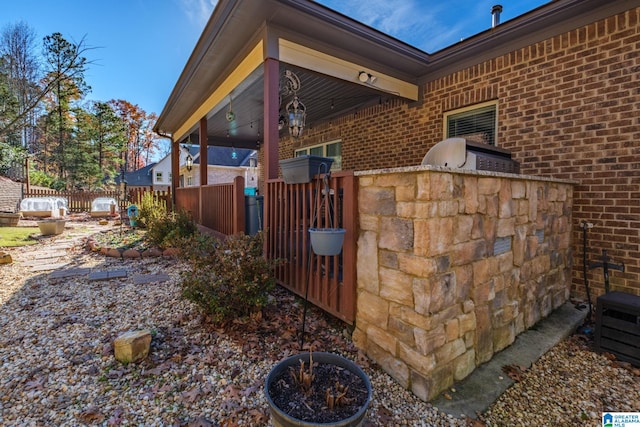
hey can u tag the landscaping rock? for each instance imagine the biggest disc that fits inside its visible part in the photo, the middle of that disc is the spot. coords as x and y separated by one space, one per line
5 258
171 252
132 346
152 253
131 253
114 253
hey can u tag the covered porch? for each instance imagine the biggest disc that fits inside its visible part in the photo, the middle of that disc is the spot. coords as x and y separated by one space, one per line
237 90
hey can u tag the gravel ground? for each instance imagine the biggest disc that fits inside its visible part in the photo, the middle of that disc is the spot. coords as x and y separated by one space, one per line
57 366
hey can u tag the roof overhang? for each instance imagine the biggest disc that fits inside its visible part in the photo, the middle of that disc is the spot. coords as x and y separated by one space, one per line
226 63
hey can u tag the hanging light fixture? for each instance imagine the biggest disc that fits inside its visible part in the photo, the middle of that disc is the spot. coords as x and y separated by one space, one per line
297 116
189 160
296 110
234 154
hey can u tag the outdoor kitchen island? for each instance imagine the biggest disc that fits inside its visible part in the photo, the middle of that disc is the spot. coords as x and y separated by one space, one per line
453 264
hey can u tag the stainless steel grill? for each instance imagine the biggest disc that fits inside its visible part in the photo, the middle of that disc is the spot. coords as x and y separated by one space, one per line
464 154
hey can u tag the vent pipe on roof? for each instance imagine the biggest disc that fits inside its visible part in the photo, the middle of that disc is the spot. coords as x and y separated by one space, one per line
495 15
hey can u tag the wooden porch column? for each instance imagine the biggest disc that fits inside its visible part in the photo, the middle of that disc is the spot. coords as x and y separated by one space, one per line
204 161
271 101
175 170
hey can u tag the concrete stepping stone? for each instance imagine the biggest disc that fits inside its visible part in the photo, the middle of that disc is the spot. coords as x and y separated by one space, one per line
107 275
71 272
48 267
142 279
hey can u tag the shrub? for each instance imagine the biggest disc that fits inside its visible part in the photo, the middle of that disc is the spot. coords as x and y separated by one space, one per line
228 279
150 208
170 229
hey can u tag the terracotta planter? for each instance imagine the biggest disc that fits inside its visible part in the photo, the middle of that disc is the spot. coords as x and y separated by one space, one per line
327 241
49 228
302 169
282 419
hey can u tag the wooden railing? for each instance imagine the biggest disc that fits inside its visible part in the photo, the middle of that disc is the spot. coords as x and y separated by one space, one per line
80 201
290 210
218 207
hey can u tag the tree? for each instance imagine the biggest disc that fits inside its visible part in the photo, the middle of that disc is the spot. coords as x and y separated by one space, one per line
18 81
65 67
141 140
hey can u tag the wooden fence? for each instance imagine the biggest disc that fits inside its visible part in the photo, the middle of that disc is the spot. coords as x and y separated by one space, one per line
218 207
80 201
290 210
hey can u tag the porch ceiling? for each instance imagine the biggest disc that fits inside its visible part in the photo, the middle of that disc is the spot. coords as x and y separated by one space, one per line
324 97
234 29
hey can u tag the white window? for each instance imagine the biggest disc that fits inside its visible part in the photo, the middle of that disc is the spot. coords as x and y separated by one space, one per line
189 181
158 176
477 123
330 149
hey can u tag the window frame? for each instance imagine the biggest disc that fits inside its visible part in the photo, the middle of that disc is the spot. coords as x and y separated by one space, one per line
336 165
470 109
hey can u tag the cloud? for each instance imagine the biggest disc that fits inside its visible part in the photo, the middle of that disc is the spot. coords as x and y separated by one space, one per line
198 12
429 26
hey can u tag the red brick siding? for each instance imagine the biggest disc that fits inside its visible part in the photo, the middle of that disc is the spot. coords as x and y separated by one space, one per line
568 107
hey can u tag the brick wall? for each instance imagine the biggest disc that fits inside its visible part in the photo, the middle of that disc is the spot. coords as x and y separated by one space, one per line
567 108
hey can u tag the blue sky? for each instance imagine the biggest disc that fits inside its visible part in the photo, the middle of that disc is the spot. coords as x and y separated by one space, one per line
141 46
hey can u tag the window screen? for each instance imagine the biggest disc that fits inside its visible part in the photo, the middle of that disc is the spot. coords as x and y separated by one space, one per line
477 125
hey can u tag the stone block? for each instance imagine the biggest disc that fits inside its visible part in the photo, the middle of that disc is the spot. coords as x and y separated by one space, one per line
377 201
506 227
373 309
468 252
401 330
423 186
396 286
132 346
409 316
483 335
369 222
383 339
503 337
518 189
389 259
448 208
422 296
389 363
450 351
428 341
368 262
441 186
443 292
464 364
406 193
452 329
419 362
416 265
152 253
488 185
396 234
463 228
470 195
406 209
433 236
466 322
171 252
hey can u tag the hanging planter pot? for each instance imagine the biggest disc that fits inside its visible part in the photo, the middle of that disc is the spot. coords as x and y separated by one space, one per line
292 406
302 169
327 241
